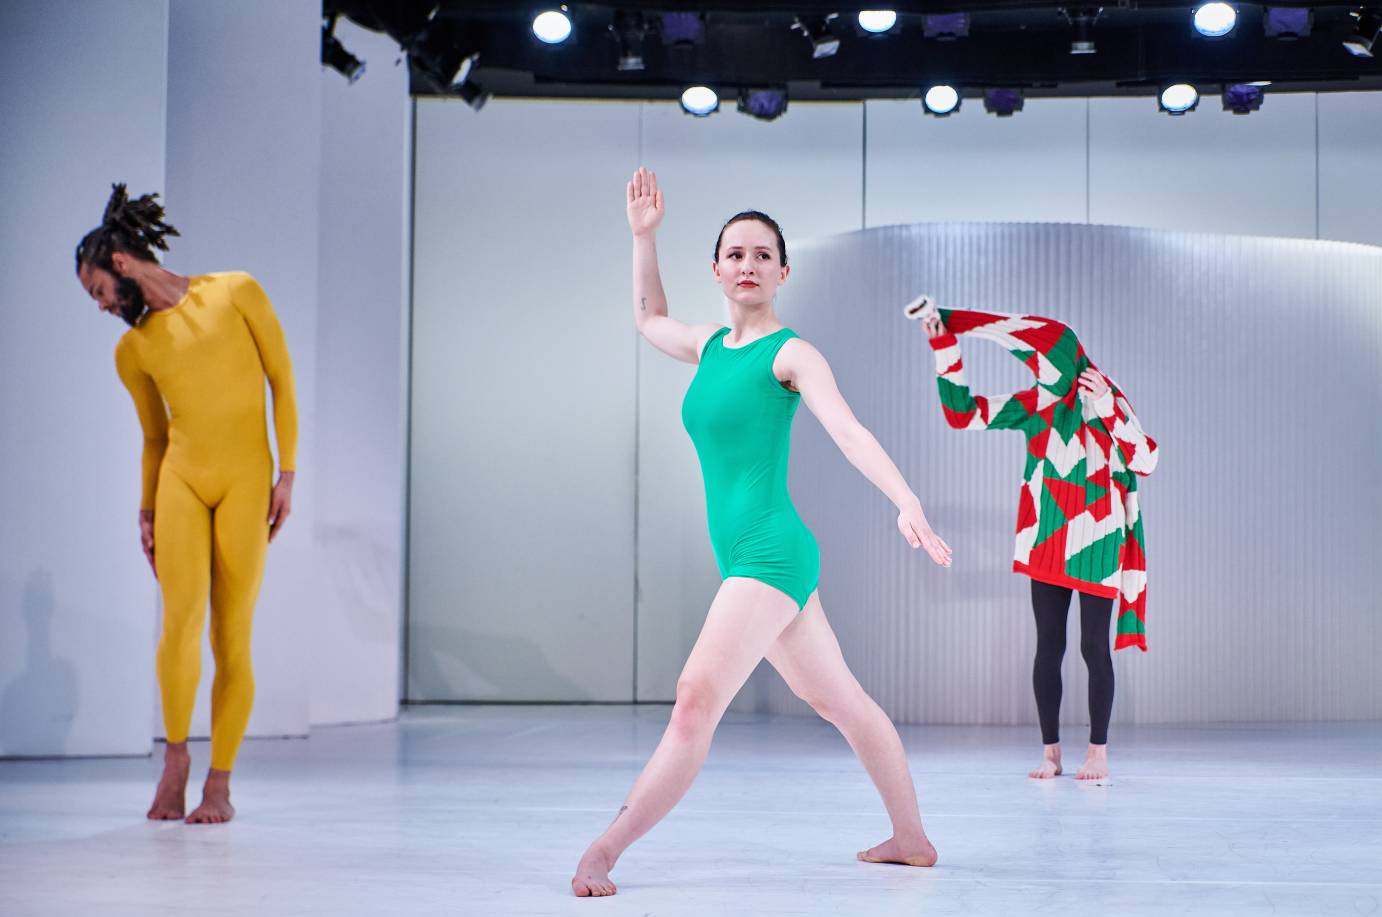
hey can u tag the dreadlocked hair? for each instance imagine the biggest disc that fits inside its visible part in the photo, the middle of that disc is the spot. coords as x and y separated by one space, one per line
135 227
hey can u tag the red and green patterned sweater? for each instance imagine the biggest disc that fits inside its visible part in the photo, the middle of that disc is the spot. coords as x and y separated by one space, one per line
1078 522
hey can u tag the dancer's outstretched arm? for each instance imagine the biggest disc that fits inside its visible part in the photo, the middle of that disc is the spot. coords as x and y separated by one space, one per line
963 409
674 338
808 372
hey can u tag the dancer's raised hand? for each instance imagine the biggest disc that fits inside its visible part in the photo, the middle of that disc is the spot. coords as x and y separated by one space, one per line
934 326
644 203
1093 384
914 527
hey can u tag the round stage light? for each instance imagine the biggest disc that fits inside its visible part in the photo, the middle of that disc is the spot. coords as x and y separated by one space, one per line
699 101
941 100
552 27
877 20
1215 19
1179 99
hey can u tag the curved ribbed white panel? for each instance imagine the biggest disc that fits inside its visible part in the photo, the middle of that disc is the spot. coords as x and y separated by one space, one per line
1257 365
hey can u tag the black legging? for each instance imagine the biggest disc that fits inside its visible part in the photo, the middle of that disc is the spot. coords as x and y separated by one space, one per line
1050 605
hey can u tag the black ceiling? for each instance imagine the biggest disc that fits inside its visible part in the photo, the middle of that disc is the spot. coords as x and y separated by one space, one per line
1140 47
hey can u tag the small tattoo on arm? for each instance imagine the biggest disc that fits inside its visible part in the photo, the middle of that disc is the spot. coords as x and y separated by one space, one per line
643 305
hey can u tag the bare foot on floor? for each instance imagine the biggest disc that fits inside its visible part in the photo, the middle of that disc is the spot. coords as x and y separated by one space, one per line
592 875
1050 764
913 853
170 799
215 808
1095 767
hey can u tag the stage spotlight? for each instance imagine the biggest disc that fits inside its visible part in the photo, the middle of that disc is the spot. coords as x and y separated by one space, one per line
446 72
824 42
941 101
1178 99
1082 20
700 101
763 104
1215 20
1002 102
437 60
1365 28
1242 98
552 27
334 54
629 29
682 28
472 94
1287 22
877 21
463 71
946 26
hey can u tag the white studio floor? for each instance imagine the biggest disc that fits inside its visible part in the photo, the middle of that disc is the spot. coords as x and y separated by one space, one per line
484 810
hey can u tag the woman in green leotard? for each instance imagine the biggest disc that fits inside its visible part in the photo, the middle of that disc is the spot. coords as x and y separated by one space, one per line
738 411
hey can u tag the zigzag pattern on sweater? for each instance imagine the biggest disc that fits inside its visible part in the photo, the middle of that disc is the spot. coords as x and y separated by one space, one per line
1078 520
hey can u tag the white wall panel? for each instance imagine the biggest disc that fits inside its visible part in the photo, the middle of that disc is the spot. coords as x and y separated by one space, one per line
522 464
1205 171
974 166
77 607
366 171
1350 147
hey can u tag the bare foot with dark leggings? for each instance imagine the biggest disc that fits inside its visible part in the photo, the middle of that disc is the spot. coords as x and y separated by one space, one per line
1050 763
1095 765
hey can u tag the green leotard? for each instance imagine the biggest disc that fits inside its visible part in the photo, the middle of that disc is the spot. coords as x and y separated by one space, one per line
739 417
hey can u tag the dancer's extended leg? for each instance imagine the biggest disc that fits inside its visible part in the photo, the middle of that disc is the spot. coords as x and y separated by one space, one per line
809 659
744 621
1095 614
240 541
1050 606
182 544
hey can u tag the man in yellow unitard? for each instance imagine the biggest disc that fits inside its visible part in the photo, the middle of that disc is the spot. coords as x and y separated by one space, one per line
194 361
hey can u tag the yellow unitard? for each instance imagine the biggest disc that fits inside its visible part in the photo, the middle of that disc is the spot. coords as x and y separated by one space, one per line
196 374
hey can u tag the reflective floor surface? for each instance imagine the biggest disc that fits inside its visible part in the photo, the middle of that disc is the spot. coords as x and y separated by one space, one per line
485 810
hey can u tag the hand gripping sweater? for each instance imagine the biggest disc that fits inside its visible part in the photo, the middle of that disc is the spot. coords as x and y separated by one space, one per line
1078 523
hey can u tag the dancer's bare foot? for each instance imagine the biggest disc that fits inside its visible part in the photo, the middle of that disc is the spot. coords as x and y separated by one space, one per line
1095 765
215 808
912 853
170 799
1050 763
592 875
